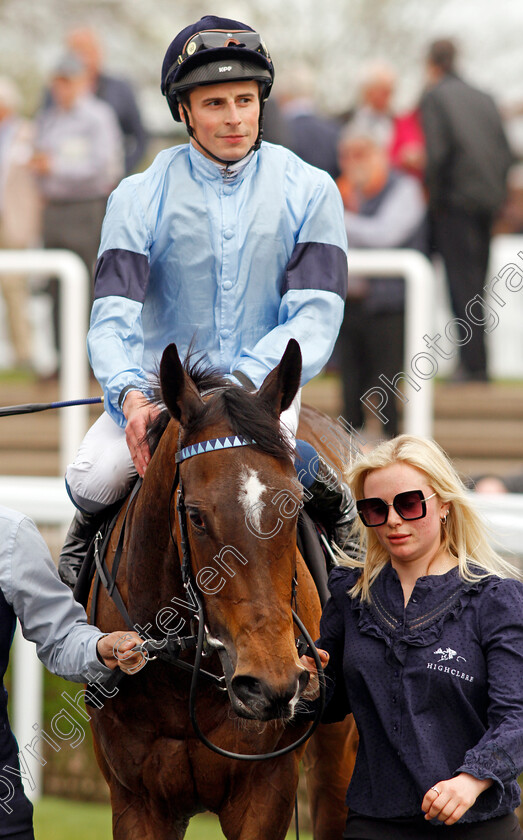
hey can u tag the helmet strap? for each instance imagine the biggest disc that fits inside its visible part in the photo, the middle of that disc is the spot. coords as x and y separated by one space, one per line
260 125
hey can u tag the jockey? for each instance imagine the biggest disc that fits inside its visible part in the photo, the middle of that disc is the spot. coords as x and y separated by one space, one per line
226 244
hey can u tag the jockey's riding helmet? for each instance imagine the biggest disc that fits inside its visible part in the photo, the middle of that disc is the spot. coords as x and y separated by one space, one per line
212 51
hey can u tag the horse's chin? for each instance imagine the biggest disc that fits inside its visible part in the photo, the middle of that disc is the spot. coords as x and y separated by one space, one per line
243 711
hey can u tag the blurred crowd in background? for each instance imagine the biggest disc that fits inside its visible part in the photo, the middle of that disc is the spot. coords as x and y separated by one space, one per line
440 177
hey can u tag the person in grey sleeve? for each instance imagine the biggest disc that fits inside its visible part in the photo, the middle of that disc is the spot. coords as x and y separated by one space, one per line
31 591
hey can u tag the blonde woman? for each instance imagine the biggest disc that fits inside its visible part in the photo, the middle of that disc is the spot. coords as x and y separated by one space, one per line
425 638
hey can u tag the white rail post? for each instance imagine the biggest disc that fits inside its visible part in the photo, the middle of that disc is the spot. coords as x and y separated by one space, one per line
27 688
504 345
420 292
73 279
74 379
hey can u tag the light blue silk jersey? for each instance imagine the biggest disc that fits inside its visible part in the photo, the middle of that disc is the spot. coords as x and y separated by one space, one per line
235 267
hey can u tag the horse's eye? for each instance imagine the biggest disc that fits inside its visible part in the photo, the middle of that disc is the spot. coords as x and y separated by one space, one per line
196 519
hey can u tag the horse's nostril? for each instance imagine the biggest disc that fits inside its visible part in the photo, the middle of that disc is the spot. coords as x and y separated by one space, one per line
263 700
248 689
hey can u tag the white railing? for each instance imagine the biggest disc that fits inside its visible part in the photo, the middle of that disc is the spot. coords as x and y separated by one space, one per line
504 338
420 295
505 278
45 499
74 377
503 513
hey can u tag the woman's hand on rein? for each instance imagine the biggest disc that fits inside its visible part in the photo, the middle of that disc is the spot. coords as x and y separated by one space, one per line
310 663
450 799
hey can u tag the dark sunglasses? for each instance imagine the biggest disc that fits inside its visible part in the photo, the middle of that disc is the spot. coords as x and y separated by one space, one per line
409 505
213 39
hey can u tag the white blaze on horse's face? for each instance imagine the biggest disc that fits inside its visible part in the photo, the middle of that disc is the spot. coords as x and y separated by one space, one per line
251 491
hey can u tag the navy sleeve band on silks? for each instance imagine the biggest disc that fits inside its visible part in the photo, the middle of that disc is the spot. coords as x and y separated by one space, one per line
125 391
122 273
315 265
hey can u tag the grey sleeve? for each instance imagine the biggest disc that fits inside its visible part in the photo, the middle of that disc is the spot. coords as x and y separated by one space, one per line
48 614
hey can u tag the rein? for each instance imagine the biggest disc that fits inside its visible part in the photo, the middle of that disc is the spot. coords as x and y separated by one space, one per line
31 408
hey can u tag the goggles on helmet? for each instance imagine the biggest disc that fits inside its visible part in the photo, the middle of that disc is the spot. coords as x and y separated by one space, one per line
212 39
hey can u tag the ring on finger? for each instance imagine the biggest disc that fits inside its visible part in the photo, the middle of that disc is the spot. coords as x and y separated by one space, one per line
435 789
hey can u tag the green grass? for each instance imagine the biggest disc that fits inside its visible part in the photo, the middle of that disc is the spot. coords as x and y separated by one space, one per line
63 819
17 376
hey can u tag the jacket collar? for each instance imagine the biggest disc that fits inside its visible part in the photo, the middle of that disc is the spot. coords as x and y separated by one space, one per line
212 171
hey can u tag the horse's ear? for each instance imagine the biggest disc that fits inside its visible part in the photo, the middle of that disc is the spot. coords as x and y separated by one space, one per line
281 385
179 392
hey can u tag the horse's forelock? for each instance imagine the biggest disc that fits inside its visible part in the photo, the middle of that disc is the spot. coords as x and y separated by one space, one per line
238 407
250 418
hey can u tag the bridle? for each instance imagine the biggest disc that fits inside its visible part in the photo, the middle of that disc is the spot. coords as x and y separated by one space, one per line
169 648
214 445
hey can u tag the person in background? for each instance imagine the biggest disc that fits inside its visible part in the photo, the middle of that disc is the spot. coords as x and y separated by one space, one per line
384 208
118 93
32 593
275 128
312 136
78 160
467 162
374 113
488 483
19 214
424 643
407 148
401 134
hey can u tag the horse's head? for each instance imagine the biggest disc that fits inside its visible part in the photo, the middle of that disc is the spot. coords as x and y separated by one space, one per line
242 503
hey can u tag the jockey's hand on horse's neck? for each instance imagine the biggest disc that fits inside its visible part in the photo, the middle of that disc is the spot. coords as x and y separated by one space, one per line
138 412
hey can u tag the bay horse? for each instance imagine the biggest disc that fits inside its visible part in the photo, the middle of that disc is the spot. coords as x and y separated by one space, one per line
241 499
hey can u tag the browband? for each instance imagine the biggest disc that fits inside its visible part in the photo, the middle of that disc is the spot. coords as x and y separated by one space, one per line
212 445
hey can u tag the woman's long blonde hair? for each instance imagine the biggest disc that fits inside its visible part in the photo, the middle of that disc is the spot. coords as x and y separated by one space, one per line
463 535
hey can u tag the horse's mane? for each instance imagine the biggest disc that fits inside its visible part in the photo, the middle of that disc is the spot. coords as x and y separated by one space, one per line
246 415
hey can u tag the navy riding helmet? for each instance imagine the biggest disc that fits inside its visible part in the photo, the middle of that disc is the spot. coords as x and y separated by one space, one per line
212 51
